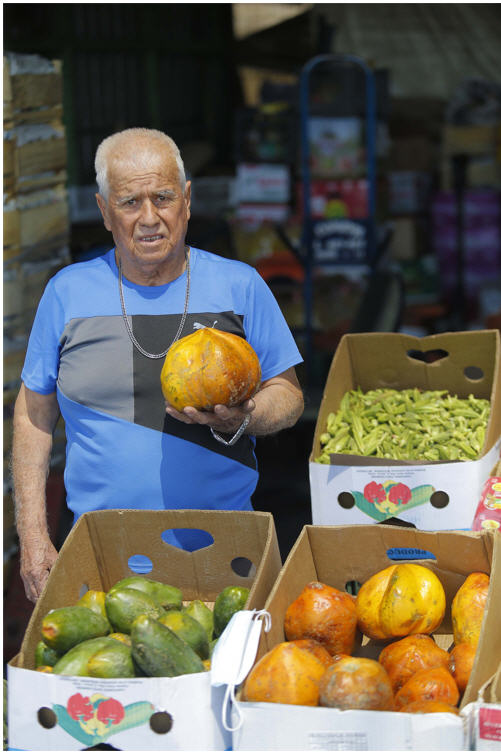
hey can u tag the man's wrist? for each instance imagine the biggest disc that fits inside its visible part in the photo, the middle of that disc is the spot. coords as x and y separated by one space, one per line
240 430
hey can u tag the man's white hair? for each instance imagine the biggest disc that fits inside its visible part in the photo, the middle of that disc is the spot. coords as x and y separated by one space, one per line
112 145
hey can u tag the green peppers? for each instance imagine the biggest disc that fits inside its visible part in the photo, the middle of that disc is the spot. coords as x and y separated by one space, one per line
407 424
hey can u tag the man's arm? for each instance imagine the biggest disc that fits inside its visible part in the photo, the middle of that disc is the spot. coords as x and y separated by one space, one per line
35 416
277 405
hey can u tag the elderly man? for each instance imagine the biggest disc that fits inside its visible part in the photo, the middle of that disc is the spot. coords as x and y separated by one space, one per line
96 350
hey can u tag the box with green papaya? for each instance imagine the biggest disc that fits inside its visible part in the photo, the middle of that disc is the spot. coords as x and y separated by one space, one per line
117 649
409 429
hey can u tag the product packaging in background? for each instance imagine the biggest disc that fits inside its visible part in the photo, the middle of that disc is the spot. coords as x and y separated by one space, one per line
262 183
159 712
444 495
408 192
336 147
488 512
481 240
336 199
339 556
484 715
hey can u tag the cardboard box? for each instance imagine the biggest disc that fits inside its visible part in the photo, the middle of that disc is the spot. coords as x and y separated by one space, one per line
30 82
95 555
28 225
262 183
408 191
481 239
471 139
416 153
448 491
341 555
409 238
331 199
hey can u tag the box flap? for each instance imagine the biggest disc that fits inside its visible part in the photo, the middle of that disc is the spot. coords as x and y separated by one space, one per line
489 646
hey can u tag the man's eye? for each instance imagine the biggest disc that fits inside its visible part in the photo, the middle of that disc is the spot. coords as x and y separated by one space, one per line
131 202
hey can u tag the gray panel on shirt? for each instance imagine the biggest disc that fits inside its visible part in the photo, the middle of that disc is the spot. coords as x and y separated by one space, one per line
96 365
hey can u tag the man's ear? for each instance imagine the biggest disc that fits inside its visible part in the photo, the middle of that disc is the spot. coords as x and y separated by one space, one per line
103 207
187 197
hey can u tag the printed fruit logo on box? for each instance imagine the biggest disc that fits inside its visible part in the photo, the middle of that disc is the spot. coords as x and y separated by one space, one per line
91 720
389 498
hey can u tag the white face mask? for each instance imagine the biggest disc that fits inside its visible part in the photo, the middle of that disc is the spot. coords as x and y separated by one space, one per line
234 656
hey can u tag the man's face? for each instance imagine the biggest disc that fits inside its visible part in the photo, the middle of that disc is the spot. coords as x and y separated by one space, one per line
147 212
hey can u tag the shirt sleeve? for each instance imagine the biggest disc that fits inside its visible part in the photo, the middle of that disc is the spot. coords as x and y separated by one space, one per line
267 330
41 363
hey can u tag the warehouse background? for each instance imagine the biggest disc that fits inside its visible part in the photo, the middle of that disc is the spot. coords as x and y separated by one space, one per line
223 80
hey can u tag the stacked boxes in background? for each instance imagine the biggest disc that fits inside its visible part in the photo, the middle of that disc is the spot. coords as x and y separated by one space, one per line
481 239
481 144
35 219
478 147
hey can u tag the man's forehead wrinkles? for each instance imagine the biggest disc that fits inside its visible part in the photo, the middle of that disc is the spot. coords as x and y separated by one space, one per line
134 188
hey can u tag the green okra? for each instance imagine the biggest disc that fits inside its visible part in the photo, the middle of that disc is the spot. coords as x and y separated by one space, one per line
408 424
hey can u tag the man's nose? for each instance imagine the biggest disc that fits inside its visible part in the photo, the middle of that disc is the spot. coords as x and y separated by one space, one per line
148 214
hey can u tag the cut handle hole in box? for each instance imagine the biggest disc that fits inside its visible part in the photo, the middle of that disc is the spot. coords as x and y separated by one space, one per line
473 373
140 564
243 567
46 718
188 539
161 722
428 356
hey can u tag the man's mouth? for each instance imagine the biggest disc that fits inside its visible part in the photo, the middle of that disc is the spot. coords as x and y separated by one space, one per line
151 238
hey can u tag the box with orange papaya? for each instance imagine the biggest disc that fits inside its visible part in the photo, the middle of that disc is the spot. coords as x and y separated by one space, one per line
381 637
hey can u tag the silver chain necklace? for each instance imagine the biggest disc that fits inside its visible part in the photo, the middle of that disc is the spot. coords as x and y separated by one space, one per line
183 317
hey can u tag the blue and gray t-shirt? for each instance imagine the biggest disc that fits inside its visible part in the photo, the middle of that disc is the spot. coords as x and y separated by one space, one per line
123 450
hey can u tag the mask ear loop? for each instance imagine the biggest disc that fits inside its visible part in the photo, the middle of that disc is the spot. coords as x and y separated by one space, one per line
229 695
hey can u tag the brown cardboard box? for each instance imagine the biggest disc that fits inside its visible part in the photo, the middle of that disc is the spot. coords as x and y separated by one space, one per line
471 139
470 364
340 556
28 91
416 153
32 225
95 555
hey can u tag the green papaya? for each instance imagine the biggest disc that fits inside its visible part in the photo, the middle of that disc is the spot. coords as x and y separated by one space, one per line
159 651
164 595
189 630
203 614
74 662
45 656
111 662
94 599
121 637
230 600
212 645
62 628
125 604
